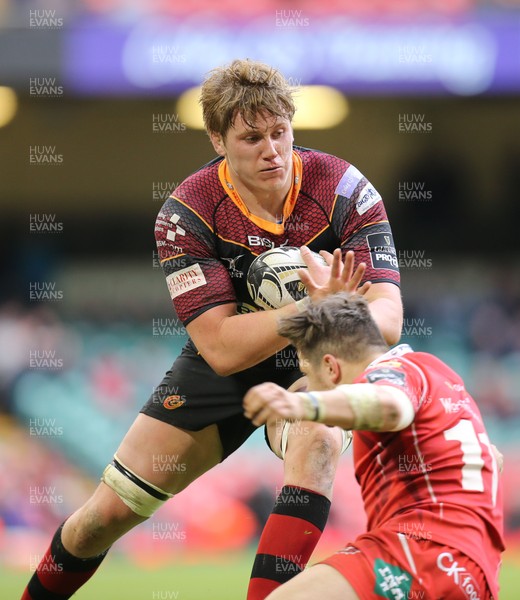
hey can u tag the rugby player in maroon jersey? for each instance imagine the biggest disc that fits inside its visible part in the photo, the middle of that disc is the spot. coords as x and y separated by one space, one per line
261 192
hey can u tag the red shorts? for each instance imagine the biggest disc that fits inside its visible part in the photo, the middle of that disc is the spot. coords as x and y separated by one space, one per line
387 564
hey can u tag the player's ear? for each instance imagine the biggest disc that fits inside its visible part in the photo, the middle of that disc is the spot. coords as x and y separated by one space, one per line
331 369
218 143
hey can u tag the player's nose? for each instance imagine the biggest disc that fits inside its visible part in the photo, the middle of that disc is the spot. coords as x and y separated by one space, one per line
269 150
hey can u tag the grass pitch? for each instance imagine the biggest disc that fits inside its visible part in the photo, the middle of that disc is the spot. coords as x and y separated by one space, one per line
225 578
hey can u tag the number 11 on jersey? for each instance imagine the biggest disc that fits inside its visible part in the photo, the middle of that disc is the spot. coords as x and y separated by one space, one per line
470 445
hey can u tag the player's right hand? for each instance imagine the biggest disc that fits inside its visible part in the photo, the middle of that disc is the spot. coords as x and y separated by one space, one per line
338 276
268 402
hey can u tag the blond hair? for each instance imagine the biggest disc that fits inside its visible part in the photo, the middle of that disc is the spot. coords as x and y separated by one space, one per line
244 87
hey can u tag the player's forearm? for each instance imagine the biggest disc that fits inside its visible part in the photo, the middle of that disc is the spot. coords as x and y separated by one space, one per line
362 406
242 341
387 312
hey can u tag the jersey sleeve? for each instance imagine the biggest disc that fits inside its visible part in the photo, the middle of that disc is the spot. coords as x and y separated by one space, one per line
397 374
196 278
364 227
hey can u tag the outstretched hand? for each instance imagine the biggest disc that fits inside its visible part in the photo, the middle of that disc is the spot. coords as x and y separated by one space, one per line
337 276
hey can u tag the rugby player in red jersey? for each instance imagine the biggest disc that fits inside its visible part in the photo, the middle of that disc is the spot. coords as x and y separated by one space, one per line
428 473
261 192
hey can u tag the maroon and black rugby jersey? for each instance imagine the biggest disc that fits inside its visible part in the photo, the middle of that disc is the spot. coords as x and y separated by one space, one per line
206 240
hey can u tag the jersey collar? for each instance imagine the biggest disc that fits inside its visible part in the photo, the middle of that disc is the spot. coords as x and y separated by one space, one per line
226 181
393 353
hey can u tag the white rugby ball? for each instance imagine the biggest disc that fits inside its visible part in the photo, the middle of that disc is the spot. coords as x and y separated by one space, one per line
272 278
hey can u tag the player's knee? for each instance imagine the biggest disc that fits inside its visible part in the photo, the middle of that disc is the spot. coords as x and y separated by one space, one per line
142 497
323 444
312 454
88 531
316 440
101 521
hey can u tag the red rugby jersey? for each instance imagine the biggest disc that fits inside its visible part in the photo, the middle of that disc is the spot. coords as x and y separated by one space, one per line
436 479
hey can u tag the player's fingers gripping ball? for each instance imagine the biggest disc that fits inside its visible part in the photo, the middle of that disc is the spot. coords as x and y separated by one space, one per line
273 280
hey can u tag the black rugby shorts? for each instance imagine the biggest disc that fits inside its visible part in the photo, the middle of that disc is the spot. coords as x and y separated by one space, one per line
192 396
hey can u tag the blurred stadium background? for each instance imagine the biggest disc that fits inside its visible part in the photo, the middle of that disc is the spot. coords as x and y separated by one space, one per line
97 126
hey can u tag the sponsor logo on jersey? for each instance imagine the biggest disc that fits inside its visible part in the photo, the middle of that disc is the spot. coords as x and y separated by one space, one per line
185 280
232 268
456 387
382 251
173 402
386 374
348 183
256 240
391 580
176 230
367 198
452 406
167 250
461 577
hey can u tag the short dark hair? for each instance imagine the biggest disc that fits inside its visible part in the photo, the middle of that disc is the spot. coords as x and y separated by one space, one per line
341 325
244 87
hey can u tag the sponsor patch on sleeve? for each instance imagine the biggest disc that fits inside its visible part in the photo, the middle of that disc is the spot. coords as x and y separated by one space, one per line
348 183
382 251
386 374
367 198
185 280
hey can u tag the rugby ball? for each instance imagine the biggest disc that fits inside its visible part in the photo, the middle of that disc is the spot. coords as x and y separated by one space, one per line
272 278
